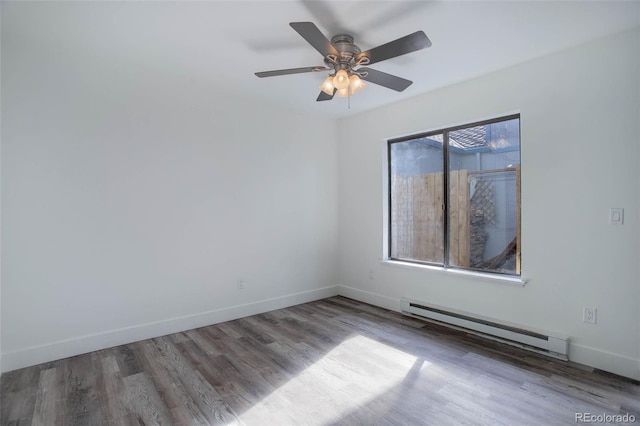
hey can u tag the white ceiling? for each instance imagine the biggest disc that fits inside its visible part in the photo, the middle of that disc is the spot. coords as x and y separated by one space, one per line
225 42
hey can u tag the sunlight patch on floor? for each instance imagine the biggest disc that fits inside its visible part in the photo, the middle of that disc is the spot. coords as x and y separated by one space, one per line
353 374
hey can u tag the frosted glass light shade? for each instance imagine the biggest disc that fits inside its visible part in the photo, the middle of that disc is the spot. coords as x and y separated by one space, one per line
356 84
343 93
327 85
341 80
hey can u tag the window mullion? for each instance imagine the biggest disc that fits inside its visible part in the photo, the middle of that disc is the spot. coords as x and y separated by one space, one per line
445 206
389 201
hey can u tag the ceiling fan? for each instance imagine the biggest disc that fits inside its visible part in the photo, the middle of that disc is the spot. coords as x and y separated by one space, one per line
345 61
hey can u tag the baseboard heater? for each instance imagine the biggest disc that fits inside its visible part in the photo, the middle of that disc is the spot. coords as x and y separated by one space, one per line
537 341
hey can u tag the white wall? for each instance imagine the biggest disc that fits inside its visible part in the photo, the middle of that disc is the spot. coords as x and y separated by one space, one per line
580 153
135 198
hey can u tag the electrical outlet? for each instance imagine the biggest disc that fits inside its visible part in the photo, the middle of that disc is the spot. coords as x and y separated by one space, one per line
372 275
240 284
589 315
616 216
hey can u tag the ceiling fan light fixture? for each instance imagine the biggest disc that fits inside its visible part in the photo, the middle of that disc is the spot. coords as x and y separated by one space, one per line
343 93
327 86
346 59
356 84
341 80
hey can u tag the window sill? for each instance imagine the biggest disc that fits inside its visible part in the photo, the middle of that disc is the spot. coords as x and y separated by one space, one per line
494 278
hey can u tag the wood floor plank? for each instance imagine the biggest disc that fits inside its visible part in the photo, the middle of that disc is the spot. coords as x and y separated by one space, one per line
165 379
334 361
83 405
245 329
205 343
187 416
204 396
18 391
275 330
128 361
170 388
17 407
142 399
112 387
50 394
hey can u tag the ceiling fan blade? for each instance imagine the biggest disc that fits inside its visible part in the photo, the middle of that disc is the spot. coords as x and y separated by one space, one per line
394 12
401 46
323 14
290 71
386 80
324 97
315 38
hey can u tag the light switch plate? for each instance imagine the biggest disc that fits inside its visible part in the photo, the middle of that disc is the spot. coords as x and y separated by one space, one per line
616 216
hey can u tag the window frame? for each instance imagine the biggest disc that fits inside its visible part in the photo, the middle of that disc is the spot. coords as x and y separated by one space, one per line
446 194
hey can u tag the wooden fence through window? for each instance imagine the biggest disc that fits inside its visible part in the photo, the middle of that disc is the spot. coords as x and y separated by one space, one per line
417 228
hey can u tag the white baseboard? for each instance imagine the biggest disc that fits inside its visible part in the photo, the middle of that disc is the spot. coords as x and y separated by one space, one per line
370 298
65 348
596 358
603 360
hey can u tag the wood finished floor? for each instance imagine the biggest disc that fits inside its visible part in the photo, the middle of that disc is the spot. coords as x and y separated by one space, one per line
330 362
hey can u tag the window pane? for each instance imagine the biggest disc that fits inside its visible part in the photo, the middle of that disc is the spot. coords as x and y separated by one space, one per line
484 208
417 196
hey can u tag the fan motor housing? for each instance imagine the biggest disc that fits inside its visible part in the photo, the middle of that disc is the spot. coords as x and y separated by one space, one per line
344 44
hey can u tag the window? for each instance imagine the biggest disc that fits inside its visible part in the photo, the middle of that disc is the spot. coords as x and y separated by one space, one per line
468 217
